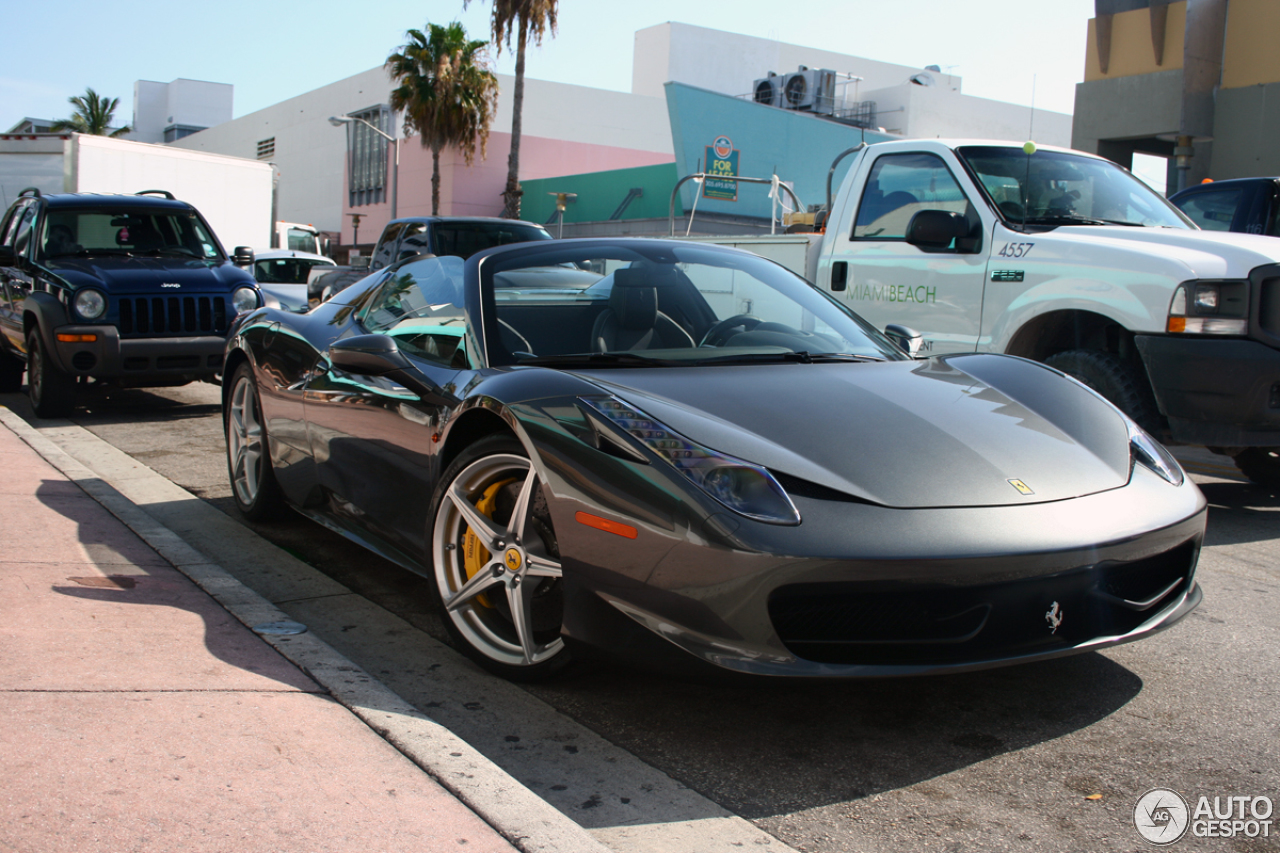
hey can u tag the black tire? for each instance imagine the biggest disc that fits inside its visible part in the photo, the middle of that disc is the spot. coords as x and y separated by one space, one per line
253 481
1260 464
11 368
52 392
1112 377
512 565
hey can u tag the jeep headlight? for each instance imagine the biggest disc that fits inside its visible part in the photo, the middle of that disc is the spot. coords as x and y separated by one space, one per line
244 299
1209 308
90 304
744 487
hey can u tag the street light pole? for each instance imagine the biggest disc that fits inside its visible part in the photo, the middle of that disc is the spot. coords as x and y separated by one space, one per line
339 121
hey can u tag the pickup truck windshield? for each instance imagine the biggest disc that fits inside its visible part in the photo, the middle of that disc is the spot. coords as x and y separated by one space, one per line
1051 188
167 233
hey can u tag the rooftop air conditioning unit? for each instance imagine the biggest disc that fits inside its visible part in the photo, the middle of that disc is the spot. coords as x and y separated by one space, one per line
808 89
768 90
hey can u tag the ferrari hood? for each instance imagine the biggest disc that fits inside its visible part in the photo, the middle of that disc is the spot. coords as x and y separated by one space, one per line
972 430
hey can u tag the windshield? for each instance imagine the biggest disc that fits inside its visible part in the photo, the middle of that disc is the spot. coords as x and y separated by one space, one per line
286 270
625 304
173 233
1057 188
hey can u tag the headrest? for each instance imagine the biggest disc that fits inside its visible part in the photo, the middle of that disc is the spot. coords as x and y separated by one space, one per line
633 300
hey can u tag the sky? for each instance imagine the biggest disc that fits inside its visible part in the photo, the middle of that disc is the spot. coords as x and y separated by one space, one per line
1003 49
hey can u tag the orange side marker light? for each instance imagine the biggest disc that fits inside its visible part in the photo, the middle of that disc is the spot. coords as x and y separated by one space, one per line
614 527
67 338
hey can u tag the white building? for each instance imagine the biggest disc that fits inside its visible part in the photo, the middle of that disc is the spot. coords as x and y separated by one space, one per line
166 112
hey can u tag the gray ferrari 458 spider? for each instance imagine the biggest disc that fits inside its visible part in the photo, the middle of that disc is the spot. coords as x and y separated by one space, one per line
686 455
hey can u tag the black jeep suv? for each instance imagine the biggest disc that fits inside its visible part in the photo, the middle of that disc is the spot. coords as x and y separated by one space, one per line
131 290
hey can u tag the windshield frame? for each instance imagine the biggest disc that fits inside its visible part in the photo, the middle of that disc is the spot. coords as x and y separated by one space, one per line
1038 223
788 284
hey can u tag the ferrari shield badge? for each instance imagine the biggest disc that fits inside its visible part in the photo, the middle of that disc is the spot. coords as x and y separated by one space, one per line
1023 488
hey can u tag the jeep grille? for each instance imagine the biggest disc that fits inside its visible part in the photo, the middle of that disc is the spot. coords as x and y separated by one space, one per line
148 316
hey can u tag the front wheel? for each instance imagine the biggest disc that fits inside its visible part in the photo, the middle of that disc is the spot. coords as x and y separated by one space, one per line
253 482
52 392
496 563
1260 464
1113 378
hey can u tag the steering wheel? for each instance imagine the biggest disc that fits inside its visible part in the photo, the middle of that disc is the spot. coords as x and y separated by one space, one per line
716 336
1011 209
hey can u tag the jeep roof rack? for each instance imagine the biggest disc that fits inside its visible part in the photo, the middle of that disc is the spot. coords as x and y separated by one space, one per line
164 193
35 192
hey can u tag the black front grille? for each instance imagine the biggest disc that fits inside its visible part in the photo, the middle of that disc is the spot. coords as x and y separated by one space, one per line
901 623
151 316
1269 306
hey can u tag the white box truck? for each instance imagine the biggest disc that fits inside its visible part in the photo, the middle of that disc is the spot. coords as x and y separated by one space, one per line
233 193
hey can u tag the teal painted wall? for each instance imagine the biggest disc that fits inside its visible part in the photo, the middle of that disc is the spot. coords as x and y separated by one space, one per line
600 193
796 146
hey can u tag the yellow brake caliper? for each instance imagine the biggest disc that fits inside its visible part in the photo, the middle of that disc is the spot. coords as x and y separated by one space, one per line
474 555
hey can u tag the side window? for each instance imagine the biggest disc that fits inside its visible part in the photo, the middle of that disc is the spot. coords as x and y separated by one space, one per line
1212 210
8 226
421 306
22 234
384 255
414 240
900 186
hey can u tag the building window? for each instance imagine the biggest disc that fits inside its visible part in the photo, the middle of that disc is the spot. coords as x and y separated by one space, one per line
174 132
367 156
266 148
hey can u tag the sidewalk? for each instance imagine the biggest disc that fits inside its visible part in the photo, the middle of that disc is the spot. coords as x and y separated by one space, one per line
138 715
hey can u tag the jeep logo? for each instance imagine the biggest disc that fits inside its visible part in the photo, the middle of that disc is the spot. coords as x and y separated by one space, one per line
171 284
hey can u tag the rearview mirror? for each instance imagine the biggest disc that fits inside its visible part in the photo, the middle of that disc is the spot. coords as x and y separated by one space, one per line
907 338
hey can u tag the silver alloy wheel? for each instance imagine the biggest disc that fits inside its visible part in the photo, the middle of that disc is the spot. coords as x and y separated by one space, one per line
519 566
244 441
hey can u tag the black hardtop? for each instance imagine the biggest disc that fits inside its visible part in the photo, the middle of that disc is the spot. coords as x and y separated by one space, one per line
113 201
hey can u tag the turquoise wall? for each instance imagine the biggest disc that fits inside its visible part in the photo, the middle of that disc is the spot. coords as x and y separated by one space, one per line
600 193
796 146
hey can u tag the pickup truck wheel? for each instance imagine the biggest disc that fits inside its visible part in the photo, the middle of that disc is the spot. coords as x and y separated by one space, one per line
10 373
1113 378
52 392
1260 464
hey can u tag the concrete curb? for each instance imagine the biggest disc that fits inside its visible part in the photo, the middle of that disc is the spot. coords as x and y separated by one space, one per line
527 821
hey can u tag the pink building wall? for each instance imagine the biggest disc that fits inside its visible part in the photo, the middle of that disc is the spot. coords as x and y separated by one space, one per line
477 190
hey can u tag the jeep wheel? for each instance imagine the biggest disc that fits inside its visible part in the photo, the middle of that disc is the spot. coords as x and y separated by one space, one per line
52 392
1113 378
1260 464
11 368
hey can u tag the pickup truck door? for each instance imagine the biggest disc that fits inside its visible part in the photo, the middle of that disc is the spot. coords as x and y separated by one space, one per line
938 292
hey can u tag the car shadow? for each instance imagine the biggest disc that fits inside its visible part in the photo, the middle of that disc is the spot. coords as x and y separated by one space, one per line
139 581
764 749
1240 513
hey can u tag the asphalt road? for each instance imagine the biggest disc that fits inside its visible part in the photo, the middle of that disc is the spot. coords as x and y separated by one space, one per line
1048 756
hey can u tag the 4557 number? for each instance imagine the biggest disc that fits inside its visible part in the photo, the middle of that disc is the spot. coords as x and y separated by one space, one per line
1015 250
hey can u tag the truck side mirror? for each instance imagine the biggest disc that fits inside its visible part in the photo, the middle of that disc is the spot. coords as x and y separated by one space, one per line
935 229
242 256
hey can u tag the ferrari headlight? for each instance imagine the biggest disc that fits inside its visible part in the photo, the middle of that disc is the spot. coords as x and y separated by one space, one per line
244 299
1153 455
90 304
742 486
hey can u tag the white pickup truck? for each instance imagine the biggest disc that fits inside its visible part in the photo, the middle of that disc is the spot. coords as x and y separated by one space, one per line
1065 258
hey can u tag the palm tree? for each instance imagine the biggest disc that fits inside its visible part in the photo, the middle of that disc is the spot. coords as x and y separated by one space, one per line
93 115
447 92
527 18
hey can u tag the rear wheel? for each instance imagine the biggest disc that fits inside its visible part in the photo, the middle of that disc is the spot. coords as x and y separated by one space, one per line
11 368
496 563
1114 378
1260 464
52 392
253 482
